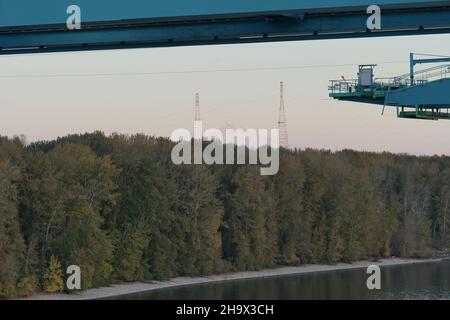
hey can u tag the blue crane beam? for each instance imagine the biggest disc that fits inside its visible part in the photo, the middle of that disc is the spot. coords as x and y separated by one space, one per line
40 26
20 13
434 94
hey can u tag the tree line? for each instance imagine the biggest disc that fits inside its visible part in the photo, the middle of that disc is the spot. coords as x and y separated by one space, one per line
117 207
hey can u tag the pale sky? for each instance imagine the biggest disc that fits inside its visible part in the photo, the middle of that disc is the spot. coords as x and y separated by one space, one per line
152 91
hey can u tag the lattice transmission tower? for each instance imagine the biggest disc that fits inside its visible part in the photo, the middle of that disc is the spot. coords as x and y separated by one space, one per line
197 107
282 122
197 119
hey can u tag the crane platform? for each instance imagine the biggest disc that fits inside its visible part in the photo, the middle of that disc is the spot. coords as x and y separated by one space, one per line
423 94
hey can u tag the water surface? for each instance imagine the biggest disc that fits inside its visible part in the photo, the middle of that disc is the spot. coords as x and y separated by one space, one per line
415 281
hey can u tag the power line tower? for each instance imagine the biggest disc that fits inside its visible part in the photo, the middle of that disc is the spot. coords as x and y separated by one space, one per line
197 107
198 127
282 122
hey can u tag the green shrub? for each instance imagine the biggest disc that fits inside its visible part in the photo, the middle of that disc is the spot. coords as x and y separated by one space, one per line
27 286
53 279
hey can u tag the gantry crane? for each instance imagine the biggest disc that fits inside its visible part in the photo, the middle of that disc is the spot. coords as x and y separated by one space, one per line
423 94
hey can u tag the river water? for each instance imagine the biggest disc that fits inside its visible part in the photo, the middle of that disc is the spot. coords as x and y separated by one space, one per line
415 281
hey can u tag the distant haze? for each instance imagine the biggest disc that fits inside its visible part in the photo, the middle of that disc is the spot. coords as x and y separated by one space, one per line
152 91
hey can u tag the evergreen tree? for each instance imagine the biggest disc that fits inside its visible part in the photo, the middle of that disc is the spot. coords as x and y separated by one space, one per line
11 241
53 280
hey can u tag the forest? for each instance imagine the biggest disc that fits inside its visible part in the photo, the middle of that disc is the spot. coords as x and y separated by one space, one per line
117 207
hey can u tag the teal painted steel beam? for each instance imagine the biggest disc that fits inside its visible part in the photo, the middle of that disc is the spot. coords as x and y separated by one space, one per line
45 13
434 60
140 24
433 94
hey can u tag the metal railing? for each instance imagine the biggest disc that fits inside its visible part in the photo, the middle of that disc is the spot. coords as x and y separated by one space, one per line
343 86
425 75
383 84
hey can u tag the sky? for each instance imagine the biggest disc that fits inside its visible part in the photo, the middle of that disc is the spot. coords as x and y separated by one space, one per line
151 91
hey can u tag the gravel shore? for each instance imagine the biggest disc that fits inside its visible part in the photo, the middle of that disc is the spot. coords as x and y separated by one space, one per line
137 287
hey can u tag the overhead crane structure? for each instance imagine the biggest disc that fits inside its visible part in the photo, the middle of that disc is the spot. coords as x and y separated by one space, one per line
40 26
423 94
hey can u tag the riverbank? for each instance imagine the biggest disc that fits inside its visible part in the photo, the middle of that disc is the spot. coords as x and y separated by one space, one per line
137 287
